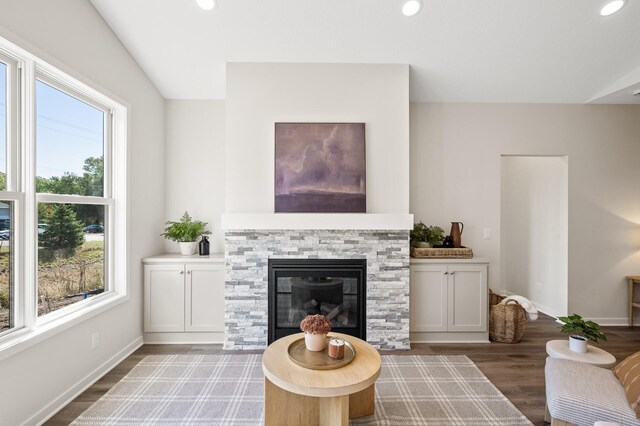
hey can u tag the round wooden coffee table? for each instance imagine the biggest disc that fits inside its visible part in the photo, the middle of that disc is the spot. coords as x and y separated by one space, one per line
295 395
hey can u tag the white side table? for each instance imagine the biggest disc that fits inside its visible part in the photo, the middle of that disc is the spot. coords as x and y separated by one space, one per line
594 356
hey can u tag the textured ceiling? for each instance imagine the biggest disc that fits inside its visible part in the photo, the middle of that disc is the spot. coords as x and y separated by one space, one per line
459 50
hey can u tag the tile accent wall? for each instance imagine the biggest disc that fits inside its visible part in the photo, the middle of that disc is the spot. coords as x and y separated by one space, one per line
247 253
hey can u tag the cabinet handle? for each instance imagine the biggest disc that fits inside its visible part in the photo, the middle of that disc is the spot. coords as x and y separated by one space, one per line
181 272
453 273
446 273
188 272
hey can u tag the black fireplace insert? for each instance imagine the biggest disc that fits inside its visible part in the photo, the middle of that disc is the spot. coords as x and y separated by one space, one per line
335 288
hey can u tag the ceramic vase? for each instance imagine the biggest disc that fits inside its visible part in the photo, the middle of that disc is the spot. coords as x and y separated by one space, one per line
315 342
188 249
578 344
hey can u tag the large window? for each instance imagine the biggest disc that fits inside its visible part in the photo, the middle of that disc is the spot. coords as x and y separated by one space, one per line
7 200
70 145
62 198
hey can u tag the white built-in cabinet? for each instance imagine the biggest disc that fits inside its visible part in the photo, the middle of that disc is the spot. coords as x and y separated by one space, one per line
184 299
448 300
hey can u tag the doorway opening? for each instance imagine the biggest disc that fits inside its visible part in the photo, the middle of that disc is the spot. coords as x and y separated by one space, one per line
534 230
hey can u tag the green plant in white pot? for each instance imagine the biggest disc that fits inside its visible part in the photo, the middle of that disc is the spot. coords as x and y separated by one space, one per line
186 233
581 331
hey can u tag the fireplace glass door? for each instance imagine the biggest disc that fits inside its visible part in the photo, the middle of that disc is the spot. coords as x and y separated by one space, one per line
331 287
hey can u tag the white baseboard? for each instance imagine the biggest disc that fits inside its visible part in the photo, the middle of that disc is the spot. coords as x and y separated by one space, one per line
57 404
448 337
184 338
613 322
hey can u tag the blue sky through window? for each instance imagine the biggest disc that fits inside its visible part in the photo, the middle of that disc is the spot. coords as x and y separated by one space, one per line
68 131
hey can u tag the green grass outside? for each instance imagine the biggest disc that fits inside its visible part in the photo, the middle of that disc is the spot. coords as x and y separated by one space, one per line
58 277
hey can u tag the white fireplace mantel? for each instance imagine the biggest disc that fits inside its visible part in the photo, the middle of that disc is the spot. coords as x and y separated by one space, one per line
339 221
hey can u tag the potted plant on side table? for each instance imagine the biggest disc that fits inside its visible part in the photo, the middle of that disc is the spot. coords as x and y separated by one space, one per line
185 233
580 332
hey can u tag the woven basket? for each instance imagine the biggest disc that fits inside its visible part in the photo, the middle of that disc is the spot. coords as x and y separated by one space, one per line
494 298
442 253
507 322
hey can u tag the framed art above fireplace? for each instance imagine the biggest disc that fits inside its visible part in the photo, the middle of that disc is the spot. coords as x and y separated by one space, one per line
320 168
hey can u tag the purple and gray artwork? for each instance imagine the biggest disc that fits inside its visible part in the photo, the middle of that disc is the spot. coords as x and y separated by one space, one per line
320 168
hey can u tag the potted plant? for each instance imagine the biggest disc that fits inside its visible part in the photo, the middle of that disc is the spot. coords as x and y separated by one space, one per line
424 236
581 331
185 233
316 328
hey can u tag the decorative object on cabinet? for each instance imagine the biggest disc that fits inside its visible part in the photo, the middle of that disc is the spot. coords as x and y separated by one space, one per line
203 246
424 236
581 331
185 233
456 233
442 253
320 168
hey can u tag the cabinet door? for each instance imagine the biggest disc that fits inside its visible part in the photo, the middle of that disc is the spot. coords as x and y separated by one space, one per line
204 309
467 298
428 298
163 298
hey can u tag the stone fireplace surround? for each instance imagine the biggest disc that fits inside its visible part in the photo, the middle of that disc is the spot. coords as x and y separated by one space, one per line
247 252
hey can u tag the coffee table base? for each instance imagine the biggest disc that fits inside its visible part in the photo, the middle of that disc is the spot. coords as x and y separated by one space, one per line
283 408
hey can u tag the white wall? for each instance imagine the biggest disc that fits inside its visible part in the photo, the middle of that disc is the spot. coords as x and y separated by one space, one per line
455 175
259 95
194 165
534 216
70 34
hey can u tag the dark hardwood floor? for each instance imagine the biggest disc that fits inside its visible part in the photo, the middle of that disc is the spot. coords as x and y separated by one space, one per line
517 369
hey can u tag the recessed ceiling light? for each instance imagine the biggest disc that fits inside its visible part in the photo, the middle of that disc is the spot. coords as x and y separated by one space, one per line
206 4
611 7
411 7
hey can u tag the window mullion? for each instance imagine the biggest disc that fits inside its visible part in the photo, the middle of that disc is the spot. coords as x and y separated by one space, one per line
27 232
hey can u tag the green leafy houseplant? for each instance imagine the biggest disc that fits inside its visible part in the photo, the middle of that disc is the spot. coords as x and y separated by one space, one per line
186 230
428 234
575 325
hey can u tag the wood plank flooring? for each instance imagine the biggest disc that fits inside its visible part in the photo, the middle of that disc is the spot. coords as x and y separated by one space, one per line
517 370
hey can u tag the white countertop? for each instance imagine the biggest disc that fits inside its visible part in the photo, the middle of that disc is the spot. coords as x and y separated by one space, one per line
178 258
417 261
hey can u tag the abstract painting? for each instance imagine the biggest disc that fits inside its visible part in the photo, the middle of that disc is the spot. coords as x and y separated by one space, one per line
320 168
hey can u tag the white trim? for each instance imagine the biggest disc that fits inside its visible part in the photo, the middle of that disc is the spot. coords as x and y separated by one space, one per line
613 322
74 391
448 337
73 199
337 221
182 338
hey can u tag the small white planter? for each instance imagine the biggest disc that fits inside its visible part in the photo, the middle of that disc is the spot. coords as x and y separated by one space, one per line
188 249
315 342
578 344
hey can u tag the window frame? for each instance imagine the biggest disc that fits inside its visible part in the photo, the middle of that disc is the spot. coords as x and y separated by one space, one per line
11 192
30 329
106 200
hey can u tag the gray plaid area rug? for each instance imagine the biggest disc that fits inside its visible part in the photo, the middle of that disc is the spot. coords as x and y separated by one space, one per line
228 390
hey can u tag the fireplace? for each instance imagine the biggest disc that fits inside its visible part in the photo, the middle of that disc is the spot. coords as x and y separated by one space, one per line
335 288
